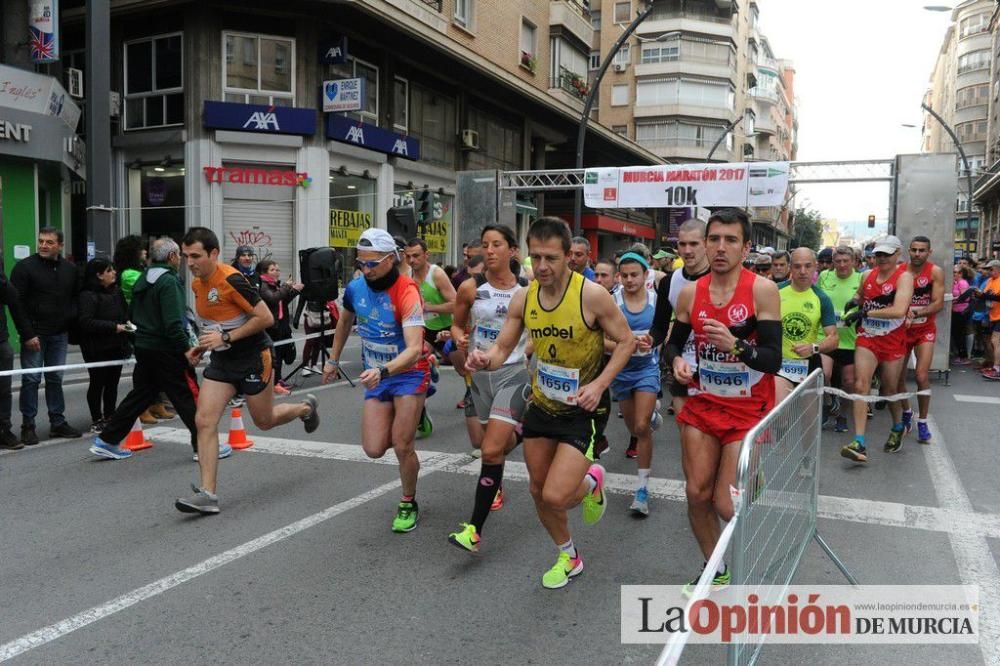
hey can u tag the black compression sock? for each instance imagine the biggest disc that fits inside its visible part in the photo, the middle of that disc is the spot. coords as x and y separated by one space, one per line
489 484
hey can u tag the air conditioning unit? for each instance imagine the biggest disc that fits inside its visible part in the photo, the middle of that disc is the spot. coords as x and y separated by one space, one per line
620 67
74 82
470 139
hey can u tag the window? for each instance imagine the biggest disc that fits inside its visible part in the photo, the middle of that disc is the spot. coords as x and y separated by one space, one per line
464 11
657 52
528 38
682 134
971 132
566 61
619 94
974 25
260 69
154 82
595 20
620 129
500 141
400 104
692 92
369 110
595 60
972 96
623 12
624 55
973 61
749 122
690 49
432 121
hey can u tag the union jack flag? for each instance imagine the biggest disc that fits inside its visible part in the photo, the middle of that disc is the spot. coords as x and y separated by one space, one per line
43 46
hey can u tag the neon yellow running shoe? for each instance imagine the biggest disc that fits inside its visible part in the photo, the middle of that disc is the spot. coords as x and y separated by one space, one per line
566 567
593 503
466 538
406 517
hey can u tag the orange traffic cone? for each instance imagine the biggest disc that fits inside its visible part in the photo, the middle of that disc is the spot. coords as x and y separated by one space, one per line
136 441
237 434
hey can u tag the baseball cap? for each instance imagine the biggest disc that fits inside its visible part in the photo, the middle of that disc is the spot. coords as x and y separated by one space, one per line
888 245
763 260
769 251
376 240
993 263
663 254
825 254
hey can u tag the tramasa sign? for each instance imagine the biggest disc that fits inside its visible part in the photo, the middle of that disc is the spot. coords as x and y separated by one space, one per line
259 118
256 176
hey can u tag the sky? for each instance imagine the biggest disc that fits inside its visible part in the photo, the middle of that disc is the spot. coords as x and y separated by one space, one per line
862 67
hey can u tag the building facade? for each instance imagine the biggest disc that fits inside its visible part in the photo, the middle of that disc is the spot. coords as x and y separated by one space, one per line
987 186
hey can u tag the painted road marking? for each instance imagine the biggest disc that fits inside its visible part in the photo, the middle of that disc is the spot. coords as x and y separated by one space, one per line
982 399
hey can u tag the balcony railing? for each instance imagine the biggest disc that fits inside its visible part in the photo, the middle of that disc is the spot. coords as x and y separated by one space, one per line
680 143
669 14
571 82
433 4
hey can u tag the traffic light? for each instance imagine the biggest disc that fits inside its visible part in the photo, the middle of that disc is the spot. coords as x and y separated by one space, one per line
871 221
425 207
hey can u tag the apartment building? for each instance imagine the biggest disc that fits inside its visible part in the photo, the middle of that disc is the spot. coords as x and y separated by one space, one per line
960 92
987 185
221 121
691 68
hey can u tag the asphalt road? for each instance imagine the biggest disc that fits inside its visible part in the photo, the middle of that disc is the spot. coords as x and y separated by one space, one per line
96 566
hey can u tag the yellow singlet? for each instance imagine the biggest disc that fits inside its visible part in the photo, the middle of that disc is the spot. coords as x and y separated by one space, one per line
570 354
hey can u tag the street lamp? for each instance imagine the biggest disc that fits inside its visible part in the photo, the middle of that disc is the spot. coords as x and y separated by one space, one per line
581 135
961 152
729 128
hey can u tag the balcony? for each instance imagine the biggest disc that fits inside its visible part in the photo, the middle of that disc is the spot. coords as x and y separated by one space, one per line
573 17
688 149
570 87
433 4
764 124
690 110
716 69
768 63
427 12
765 95
659 23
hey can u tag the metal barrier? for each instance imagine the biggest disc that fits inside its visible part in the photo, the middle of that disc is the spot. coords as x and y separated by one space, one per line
775 511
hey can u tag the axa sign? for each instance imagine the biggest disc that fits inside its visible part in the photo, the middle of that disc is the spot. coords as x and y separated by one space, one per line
259 118
346 130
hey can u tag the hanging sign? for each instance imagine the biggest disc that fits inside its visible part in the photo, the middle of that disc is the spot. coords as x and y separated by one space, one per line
741 184
343 95
43 26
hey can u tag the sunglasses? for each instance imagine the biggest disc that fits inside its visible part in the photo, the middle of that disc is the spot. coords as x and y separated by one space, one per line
360 265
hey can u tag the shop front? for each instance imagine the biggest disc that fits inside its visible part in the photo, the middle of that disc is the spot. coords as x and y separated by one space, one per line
353 208
608 235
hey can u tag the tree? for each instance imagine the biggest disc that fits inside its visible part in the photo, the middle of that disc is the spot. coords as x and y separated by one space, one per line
807 230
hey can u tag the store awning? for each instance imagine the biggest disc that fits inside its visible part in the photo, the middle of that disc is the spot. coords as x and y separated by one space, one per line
616 226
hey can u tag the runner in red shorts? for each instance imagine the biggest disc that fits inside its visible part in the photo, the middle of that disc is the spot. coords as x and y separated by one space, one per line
921 331
736 320
884 297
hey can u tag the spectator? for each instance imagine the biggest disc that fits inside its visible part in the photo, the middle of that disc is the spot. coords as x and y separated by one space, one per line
161 339
469 250
245 262
824 259
278 296
47 287
103 337
762 265
476 265
990 294
8 300
960 313
449 270
781 268
579 257
129 260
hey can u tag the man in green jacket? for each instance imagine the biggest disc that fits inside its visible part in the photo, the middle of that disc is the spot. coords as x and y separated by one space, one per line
161 339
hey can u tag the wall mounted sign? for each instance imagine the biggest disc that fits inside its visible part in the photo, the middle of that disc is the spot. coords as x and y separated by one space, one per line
259 118
256 176
346 130
343 95
15 131
333 51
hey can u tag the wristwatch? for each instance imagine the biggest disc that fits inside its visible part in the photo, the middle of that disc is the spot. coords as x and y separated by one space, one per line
225 337
383 373
815 349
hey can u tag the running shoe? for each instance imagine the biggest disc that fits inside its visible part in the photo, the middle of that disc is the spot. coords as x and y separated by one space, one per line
871 414
96 427
720 582
895 441
435 373
631 451
923 433
907 421
961 361
224 452
657 420
855 451
593 503
497 500
466 538
426 426
102 449
841 424
406 517
311 420
880 404
237 400
640 503
566 567
202 502
991 374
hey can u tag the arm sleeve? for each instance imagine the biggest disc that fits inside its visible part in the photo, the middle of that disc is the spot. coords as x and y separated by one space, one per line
827 315
664 311
679 335
765 356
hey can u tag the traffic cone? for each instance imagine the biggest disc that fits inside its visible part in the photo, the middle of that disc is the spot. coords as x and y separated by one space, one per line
136 441
237 434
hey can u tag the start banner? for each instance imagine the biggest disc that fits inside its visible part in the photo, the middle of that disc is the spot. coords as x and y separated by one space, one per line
742 184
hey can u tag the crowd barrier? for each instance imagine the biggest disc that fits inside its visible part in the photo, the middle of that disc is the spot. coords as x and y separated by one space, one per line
775 509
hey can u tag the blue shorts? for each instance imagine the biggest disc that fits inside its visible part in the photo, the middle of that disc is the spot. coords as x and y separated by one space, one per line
646 381
414 382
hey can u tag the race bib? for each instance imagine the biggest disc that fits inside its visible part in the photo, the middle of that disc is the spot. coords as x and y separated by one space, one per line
486 334
641 353
875 326
726 380
558 383
795 369
918 320
376 355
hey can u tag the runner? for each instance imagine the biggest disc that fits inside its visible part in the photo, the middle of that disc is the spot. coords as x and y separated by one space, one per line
808 324
885 296
232 318
841 284
605 275
781 269
579 258
396 374
500 396
921 331
637 385
734 317
567 318
439 302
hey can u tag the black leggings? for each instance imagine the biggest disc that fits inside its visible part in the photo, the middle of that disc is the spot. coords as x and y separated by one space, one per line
103 385
959 328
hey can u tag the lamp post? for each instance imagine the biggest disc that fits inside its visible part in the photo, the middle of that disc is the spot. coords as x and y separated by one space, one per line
581 135
965 160
729 128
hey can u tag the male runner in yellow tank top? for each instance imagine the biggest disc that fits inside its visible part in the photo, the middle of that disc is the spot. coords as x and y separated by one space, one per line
567 318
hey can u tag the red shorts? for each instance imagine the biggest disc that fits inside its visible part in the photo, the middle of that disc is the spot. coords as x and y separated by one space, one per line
727 426
889 347
918 335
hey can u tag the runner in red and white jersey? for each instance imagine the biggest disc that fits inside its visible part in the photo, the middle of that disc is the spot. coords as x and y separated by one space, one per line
884 296
736 321
921 331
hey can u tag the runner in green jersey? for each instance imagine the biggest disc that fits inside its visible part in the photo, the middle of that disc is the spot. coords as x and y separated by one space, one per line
841 283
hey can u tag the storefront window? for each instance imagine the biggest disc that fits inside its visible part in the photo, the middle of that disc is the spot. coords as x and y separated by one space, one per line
161 201
438 232
352 210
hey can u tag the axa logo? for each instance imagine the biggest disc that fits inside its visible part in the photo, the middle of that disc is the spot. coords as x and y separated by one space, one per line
263 121
738 313
355 135
400 148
